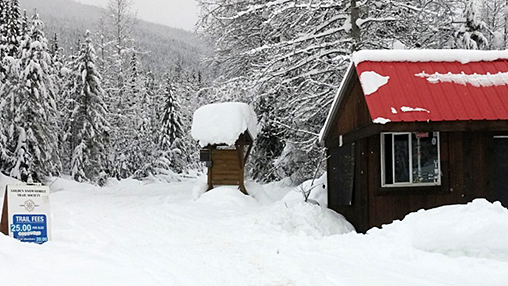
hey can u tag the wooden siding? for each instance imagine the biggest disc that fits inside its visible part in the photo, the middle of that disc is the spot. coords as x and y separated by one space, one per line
465 158
352 113
227 167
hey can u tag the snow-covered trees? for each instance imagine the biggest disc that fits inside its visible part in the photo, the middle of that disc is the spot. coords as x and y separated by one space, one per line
172 131
470 36
286 58
29 109
53 103
296 51
124 84
86 126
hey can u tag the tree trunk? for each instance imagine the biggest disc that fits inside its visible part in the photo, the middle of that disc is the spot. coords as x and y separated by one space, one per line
355 30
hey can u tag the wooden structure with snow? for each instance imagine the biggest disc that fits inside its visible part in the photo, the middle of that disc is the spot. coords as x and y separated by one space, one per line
226 132
413 130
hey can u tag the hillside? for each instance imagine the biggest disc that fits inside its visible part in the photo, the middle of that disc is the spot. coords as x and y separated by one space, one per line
163 46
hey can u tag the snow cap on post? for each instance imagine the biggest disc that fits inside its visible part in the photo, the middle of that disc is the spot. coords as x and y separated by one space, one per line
223 123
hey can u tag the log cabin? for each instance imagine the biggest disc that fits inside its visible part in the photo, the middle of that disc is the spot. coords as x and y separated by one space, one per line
417 129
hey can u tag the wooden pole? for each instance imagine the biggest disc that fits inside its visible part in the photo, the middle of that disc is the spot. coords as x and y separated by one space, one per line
210 176
4 224
241 164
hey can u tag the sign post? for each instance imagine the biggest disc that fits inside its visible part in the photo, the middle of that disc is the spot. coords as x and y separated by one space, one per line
28 216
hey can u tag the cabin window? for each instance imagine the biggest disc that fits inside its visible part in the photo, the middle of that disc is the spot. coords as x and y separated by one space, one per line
410 159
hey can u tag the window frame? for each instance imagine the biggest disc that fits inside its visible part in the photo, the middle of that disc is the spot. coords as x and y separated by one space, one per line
410 162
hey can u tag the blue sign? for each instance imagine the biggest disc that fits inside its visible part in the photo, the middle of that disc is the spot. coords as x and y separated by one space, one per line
30 228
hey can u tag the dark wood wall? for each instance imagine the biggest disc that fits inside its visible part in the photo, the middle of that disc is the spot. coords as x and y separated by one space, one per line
465 158
352 113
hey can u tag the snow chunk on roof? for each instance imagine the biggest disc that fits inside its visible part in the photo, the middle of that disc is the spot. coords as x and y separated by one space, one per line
477 80
413 109
381 120
223 123
372 81
462 56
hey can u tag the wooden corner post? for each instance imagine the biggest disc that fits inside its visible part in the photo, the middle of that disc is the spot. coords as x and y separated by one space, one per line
4 224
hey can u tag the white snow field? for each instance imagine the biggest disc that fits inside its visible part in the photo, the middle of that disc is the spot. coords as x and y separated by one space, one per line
158 233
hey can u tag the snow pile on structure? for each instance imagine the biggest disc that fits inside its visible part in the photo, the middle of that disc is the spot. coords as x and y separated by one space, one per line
478 229
223 123
381 120
461 56
372 81
477 80
412 109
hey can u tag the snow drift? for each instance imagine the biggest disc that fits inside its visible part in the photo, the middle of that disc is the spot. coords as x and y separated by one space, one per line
477 229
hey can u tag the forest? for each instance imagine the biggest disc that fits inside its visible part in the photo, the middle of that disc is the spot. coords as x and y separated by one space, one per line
107 104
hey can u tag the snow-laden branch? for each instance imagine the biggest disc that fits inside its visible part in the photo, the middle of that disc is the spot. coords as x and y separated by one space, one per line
310 59
361 22
294 129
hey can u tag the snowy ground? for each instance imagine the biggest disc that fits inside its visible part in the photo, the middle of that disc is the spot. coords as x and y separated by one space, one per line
140 233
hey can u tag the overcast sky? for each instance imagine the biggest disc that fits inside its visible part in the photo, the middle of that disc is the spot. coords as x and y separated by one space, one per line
175 13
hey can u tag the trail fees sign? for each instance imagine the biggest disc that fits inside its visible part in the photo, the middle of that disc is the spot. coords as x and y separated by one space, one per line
28 216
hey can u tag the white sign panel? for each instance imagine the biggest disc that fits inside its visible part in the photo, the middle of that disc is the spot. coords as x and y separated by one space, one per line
29 212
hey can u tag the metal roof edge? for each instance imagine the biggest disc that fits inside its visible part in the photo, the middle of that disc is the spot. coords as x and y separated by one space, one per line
336 103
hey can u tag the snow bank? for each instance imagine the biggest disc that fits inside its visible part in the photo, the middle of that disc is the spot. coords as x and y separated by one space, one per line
478 229
229 196
155 233
258 192
462 56
294 216
318 191
199 188
306 219
4 181
223 123
372 81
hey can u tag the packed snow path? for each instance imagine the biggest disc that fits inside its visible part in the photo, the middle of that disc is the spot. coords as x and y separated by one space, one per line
136 233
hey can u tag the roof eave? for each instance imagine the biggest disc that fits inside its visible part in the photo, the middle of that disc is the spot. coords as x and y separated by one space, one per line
336 103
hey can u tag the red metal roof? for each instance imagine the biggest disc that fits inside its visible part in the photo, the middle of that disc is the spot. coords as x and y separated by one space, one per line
437 100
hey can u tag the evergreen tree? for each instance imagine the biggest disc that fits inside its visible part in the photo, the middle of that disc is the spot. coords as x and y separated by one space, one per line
147 126
135 96
268 145
13 27
470 36
87 125
31 112
171 133
117 24
3 39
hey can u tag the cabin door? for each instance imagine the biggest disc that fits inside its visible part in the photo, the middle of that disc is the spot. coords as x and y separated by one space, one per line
501 169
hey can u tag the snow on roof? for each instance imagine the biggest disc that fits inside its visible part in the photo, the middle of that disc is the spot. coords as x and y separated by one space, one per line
462 56
500 78
371 81
428 85
223 123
